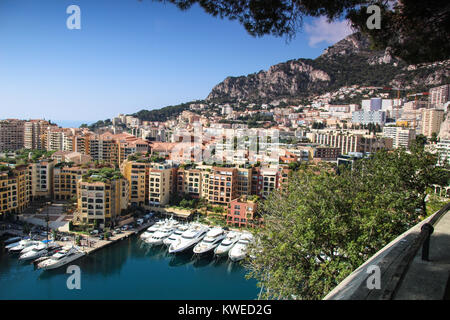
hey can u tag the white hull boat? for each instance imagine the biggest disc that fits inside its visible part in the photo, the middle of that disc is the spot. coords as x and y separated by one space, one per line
61 258
189 238
239 250
212 239
176 235
225 246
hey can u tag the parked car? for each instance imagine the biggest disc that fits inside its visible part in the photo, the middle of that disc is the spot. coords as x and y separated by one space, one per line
139 222
101 237
94 232
117 231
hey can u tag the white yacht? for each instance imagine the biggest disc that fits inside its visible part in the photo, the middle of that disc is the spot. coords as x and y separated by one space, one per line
23 244
176 235
61 258
159 236
239 250
35 252
224 247
189 238
152 229
212 239
158 226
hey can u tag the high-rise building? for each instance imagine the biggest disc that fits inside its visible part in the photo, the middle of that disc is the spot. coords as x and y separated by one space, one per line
439 95
401 137
11 134
431 121
33 131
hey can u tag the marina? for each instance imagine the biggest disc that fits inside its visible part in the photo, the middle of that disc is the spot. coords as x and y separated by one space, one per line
128 267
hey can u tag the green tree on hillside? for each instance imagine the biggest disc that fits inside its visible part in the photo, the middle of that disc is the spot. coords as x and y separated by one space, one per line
323 225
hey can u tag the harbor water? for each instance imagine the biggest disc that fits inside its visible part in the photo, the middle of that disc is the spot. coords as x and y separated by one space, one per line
129 269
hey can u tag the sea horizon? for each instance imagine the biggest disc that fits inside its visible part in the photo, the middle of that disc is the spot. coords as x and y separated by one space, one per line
71 123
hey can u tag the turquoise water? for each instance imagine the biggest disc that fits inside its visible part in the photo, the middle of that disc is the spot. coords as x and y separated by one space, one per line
129 270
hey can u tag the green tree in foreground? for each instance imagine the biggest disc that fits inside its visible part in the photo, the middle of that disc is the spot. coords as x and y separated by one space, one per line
323 225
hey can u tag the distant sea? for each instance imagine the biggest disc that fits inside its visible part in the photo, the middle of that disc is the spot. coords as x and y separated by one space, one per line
71 123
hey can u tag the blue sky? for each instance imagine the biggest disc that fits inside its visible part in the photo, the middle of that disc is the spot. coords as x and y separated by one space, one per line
128 55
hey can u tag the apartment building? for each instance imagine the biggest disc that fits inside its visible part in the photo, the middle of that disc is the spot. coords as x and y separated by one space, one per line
401 137
11 135
14 190
101 199
103 148
439 95
244 181
241 212
352 142
220 185
33 132
137 175
443 150
431 121
160 178
189 182
65 181
41 179
366 117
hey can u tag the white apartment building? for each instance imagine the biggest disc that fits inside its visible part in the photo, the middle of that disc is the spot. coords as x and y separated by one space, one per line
401 137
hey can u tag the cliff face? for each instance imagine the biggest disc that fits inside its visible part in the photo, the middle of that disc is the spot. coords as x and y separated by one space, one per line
348 62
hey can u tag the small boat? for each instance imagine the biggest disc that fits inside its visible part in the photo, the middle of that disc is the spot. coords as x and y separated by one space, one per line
225 246
12 240
212 239
239 250
189 238
61 258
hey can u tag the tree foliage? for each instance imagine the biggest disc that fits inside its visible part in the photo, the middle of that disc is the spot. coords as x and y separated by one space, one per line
324 225
417 31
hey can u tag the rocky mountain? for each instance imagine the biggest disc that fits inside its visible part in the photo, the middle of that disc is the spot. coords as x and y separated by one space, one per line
348 62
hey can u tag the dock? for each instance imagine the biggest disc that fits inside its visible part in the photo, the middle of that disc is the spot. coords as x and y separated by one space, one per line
91 244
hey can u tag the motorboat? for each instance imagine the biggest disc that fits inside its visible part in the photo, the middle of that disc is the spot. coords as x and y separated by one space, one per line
158 226
189 238
224 247
176 235
24 244
151 230
34 252
239 250
212 239
159 236
12 240
61 258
